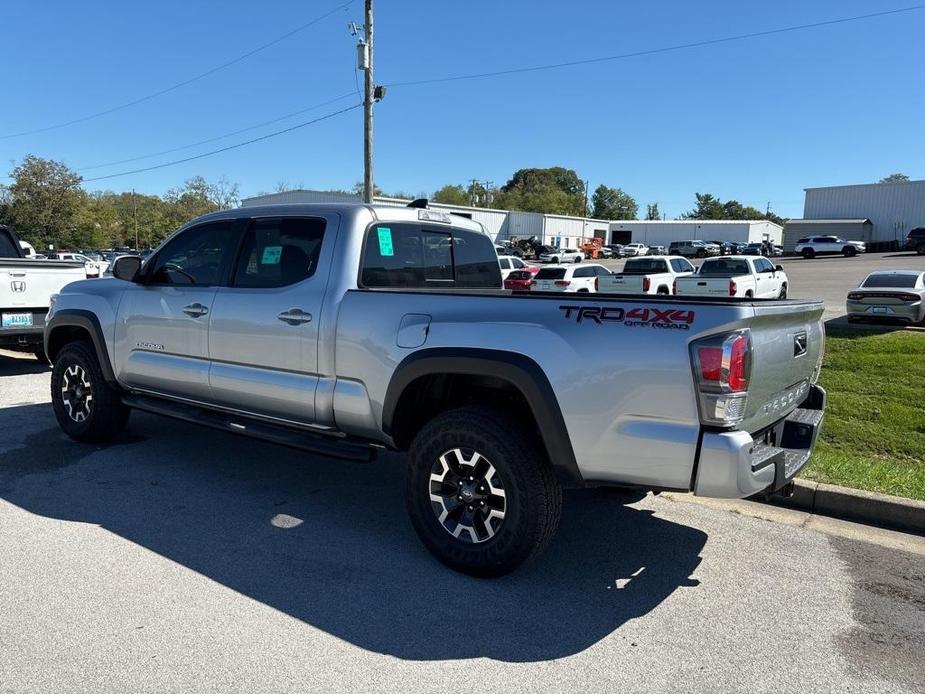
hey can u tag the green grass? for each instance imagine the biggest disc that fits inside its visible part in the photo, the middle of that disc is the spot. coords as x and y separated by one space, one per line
873 435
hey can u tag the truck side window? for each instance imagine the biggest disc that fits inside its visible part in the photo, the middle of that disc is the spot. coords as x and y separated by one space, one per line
197 256
411 256
279 252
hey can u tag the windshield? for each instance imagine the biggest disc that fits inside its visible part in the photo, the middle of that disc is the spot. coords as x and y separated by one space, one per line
551 273
644 266
897 280
724 268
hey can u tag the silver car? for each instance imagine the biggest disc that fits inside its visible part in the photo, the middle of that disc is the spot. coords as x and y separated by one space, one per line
893 294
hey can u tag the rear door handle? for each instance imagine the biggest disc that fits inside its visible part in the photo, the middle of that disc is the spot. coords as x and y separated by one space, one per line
195 310
295 316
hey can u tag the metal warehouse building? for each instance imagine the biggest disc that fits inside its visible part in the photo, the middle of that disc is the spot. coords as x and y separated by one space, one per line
662 233
893 209
551 229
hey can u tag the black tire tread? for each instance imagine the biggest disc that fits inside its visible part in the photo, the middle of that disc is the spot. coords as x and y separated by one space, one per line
542 502
108 416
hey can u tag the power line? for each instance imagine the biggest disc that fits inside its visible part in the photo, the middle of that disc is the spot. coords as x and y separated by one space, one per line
662 49
225 149
217 137
185 82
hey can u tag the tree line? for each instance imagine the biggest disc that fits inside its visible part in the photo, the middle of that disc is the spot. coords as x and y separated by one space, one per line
47 206
558 190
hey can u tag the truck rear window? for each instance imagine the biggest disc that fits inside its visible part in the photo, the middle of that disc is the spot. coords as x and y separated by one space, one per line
408 255
644 266
551 273
7 249
724 268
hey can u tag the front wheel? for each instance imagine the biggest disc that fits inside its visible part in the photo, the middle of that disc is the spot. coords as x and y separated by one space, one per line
481 495
578 259
849 251
783 292
86 406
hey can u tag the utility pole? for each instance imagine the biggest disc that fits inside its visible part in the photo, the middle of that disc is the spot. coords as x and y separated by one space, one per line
368 185
768 211
135 218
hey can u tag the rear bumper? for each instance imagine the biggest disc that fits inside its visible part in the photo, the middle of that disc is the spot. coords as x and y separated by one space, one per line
911 312
736 464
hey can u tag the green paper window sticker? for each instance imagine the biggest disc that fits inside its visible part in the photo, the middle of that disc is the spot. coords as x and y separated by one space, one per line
271 255
385 242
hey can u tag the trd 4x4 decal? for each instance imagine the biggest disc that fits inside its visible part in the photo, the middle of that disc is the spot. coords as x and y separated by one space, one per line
653 317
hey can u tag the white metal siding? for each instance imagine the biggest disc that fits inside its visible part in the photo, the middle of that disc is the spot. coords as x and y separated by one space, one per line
662 233
893 208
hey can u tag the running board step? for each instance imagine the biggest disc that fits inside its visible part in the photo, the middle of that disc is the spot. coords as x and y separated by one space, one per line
245 426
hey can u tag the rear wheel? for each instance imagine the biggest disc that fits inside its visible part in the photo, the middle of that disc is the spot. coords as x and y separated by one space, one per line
481 495
920 249
555 260
849 251
662 291
701 253
578 259
86 406
809 253
749 294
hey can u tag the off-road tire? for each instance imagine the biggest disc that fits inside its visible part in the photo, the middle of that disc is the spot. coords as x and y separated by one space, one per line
105 416
533 495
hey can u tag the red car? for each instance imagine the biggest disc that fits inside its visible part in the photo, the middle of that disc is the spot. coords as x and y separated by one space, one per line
519 280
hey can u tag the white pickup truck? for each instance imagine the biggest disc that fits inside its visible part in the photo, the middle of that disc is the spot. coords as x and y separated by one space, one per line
736 275
26 286
647 275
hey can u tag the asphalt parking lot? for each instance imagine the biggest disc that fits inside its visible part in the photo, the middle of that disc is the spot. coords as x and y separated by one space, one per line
830 277
182 559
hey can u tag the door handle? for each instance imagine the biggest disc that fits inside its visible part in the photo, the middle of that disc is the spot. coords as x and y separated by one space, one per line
295 316
195 310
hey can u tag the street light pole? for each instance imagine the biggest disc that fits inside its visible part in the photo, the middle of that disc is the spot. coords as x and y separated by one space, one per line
368 185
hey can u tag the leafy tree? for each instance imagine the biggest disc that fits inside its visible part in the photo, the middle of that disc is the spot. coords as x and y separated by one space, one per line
708 207
553 191
451 195
613 203
44 200
895 178
652 211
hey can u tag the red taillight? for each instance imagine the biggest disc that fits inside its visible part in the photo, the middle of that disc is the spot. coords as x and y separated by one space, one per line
855 296
909 297
738 365
646 283
732 288
711 363
563 283
722 365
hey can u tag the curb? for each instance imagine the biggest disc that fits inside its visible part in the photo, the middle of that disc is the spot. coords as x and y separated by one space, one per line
856 505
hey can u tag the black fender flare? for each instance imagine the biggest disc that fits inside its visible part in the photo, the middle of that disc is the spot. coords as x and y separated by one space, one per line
517 369
87 321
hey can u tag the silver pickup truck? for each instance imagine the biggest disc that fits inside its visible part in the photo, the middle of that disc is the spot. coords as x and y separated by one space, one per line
347 329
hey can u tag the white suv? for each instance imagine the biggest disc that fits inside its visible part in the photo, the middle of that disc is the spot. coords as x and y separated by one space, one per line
568 278
562 255
812 246
509 263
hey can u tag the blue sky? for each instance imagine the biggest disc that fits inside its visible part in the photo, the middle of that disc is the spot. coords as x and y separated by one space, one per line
756 120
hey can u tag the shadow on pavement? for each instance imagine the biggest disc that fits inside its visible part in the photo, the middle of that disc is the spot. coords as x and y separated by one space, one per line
328 542
843 328
12 366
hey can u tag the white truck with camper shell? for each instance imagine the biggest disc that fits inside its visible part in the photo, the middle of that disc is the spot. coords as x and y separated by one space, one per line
746 276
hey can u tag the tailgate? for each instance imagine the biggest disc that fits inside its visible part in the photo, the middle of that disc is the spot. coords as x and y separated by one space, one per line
787 344
703 286
30 283
620 284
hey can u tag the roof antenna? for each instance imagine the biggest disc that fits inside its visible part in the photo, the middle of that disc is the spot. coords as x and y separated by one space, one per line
420 203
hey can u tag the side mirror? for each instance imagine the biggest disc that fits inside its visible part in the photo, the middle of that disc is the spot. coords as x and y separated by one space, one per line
779 268
126 267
